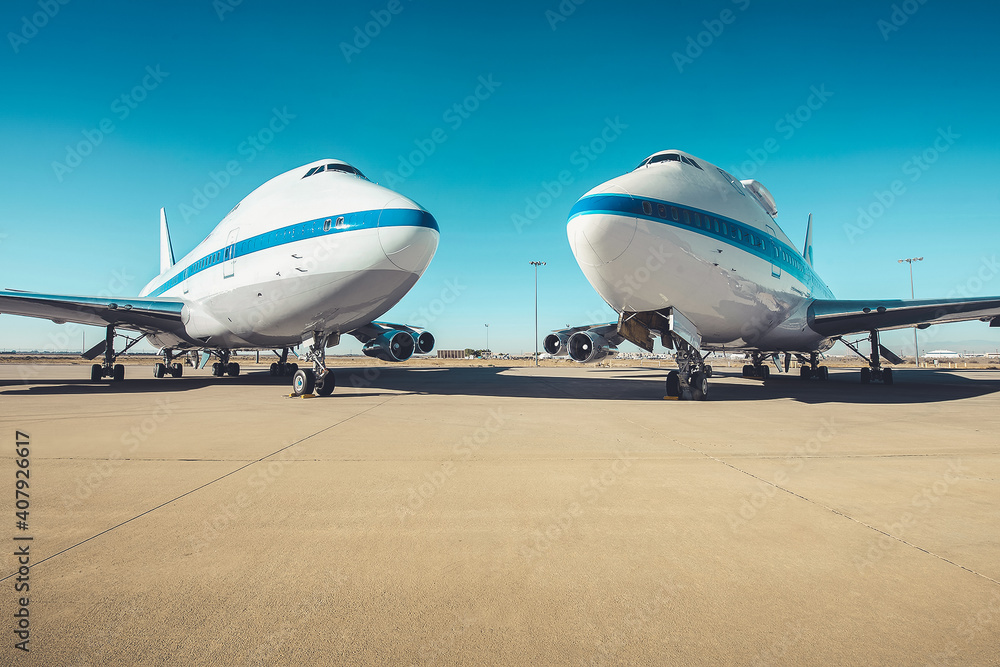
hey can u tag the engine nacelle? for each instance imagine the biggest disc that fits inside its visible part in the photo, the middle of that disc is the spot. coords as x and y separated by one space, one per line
555 344
586 347
392 346
423 342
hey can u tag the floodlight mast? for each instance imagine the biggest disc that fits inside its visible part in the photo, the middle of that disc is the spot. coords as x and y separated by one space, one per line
916 350
536 265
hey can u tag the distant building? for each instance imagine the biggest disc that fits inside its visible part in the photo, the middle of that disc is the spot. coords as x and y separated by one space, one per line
451 354
942 354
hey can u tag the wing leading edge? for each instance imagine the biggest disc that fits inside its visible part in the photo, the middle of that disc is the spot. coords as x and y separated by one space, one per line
145 315
839 318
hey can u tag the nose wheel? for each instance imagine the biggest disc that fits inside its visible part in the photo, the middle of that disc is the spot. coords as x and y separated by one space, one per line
319 378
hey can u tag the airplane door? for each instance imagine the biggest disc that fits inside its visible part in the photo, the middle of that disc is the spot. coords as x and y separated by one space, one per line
229 254
775 269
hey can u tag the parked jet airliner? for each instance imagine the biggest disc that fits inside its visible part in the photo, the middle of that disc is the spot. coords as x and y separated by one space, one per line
684 252
311 255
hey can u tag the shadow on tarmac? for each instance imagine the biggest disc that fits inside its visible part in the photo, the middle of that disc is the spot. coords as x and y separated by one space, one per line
614 384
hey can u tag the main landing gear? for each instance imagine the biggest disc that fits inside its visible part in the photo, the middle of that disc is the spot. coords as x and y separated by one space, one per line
282 367
224 366
813 370
758 368
875 373
319 378
168 366
109 369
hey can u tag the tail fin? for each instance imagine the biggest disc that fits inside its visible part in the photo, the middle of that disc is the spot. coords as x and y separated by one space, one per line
807 249
166 250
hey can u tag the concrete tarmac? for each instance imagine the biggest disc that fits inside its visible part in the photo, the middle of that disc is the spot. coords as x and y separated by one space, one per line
552 516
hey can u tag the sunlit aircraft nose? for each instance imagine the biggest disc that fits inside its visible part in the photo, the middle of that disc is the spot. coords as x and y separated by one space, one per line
408 234
597 232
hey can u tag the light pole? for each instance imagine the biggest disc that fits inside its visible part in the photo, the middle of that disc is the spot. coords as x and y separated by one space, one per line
916 350
536 265
487 338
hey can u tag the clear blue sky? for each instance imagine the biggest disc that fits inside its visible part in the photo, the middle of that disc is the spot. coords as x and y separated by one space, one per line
219 76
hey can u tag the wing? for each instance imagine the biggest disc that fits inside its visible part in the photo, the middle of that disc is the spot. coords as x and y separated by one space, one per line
839 318
144 315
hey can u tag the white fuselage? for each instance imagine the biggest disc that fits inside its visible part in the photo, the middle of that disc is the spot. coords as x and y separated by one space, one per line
326 252
672 234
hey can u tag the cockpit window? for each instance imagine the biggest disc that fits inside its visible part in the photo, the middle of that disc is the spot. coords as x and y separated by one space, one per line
345 168
666 157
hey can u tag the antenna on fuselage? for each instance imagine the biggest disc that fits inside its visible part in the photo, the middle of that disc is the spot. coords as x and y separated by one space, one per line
807 247
166 249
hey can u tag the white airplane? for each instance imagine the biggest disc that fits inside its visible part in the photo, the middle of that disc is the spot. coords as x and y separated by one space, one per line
310 255
686 253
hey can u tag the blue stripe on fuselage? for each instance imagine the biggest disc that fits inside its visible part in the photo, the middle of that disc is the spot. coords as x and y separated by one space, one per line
614 204
392 217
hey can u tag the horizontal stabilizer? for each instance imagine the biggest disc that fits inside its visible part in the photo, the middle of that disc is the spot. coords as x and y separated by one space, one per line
95 351
889 355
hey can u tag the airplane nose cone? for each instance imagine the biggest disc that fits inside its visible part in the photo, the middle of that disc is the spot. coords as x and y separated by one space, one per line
409 236
598 234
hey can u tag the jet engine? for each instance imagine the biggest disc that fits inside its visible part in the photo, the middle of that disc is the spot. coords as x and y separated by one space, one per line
393 345
555 344
585 347
423 341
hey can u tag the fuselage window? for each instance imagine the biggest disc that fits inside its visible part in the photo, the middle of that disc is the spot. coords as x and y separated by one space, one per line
340 222
662 210
327 224
725 229
647 208
697 219
675 214
686 217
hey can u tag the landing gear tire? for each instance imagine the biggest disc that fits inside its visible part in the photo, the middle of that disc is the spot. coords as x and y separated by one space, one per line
176 370
274 369
303 382
708 371
673 383
699 386
747 370
159 370
233 369
866 376
765 372
886 376
292 369
119 373
96 373
824 373
805 372
327 385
